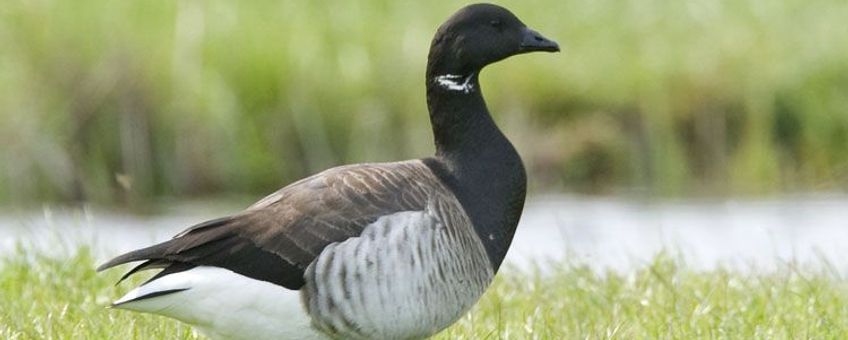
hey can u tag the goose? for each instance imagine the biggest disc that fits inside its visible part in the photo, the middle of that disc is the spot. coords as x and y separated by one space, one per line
367 251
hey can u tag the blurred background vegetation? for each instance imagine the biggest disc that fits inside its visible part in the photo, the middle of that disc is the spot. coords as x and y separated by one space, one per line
125 102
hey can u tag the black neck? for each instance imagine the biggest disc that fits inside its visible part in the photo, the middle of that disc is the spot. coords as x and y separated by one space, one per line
476 160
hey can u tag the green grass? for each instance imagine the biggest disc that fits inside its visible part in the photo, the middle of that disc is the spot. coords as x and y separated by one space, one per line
62 298
119 102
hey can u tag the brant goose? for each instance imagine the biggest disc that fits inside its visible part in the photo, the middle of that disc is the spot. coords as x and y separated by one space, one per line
390 251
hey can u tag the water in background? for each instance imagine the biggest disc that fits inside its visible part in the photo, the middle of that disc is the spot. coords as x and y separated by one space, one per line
603 233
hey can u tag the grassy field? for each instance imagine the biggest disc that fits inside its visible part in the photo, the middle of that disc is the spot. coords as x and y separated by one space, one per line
62 298
120 102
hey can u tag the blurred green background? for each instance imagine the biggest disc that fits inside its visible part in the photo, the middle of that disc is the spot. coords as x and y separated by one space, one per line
126 102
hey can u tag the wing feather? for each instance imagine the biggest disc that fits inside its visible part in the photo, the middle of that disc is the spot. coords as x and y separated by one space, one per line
276 239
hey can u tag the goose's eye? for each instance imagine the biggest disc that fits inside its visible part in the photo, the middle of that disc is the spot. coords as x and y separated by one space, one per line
496 24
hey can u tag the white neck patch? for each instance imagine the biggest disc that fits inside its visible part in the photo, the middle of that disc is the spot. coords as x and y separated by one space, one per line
452 82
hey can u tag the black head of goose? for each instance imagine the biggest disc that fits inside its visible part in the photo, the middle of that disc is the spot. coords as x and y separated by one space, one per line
387 250
473 157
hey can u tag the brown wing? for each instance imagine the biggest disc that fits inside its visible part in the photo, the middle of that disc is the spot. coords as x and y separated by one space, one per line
278 237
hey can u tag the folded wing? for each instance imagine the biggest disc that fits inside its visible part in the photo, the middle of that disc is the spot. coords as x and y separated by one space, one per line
278 237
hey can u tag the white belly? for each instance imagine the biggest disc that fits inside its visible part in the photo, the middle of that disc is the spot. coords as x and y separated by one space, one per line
226 305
